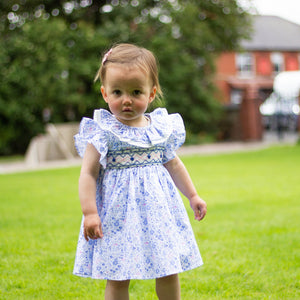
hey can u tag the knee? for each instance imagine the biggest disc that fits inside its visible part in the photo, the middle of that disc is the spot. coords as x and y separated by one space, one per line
171 279
117 290
124 284
168 287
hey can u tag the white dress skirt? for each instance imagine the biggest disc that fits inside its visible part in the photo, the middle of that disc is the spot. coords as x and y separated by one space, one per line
147 233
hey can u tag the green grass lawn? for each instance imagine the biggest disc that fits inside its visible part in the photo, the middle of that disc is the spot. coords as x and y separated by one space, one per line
249 239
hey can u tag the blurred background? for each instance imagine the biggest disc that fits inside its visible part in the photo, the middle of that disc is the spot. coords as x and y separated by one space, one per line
218 62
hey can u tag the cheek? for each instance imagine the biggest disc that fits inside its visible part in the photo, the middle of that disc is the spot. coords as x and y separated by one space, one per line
141 105
114 105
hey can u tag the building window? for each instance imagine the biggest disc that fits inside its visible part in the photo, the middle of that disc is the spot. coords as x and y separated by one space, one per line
236 96
277 62
245 64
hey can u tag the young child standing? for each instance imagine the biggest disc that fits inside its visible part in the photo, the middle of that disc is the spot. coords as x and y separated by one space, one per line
134 225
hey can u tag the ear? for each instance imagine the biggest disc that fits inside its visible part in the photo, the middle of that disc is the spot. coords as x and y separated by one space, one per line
152 94
104 94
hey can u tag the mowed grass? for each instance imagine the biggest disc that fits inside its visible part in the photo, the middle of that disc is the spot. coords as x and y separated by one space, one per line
249 239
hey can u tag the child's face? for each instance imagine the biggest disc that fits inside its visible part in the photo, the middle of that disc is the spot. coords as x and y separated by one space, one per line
128 92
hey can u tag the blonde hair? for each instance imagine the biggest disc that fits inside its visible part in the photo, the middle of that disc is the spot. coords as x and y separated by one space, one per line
130 54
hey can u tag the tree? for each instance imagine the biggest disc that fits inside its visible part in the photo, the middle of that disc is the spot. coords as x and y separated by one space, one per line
50 52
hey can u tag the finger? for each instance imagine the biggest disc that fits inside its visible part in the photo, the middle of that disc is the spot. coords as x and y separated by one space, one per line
85 235
202 213
197 214
101 232
90 234
98 232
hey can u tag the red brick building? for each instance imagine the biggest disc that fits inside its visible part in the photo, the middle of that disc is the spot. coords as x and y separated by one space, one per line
245 79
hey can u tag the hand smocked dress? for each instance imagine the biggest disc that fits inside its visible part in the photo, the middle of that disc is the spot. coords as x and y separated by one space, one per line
147 233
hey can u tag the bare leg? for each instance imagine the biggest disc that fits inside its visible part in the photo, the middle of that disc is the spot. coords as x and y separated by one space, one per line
168 288
117 290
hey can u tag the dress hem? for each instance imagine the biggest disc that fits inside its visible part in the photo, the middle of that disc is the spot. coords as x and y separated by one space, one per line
136 277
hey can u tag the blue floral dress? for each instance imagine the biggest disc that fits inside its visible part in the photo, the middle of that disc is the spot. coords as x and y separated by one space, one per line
147 233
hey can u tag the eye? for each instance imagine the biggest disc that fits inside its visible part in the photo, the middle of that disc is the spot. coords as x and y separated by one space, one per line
136 92
117 92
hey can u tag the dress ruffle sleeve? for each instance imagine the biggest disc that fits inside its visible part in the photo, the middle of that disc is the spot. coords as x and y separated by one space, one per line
165 130
176 138
157 133
91 133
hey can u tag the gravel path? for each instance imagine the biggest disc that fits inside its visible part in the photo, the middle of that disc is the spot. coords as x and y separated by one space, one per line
206 149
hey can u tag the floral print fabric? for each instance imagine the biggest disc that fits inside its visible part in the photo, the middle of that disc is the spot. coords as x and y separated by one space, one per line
146 229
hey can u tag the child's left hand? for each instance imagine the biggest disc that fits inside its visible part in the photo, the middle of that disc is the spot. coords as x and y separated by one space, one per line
199 207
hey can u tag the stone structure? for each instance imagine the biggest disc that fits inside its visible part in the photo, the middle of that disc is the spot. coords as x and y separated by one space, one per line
56 144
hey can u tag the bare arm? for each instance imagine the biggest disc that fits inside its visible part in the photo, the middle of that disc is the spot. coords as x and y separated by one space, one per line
87 193
184 183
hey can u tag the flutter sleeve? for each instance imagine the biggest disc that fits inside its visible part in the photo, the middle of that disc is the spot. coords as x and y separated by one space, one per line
176 138
90 132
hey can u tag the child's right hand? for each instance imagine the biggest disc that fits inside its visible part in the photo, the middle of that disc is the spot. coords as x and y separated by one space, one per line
92 228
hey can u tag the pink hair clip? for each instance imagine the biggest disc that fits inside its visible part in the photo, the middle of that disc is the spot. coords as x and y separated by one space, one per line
106 56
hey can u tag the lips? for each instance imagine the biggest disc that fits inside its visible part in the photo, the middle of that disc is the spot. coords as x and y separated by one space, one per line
127 110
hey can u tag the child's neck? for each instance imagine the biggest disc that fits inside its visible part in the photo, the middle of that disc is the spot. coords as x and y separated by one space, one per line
143 121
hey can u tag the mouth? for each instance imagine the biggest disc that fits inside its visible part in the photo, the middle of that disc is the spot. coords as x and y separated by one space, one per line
127 109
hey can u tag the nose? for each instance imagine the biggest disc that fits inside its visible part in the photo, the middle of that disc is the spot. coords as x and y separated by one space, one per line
126 99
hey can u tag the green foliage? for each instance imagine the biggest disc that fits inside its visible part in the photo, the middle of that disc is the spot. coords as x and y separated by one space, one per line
249 239
47 66
50 53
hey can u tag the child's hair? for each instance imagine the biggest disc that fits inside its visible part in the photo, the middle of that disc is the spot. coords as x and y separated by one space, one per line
131 55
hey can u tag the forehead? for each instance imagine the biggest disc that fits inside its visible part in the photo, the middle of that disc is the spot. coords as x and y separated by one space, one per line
127 74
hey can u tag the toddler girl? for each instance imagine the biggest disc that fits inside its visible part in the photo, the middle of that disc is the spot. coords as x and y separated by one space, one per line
134 222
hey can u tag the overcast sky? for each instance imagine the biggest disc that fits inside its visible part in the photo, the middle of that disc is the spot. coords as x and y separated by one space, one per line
288 9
